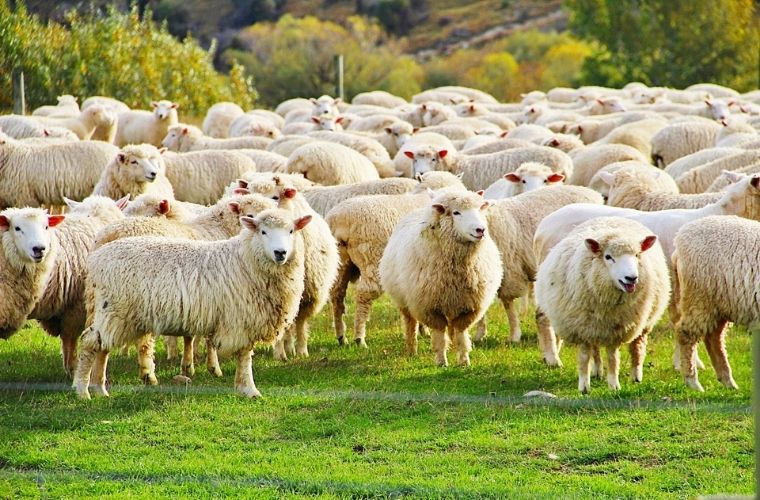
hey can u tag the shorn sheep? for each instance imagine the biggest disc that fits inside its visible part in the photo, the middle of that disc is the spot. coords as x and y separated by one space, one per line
252 285
716 274
442 269
138 126
604 285
26 257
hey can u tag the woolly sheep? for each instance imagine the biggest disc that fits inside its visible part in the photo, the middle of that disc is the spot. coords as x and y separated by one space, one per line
201 176
133 171
470 93
696 159
403 163
219 117
650 178
636 134
253 125
263 265
589 160
286 144
330 163
183 138
528 177
322 199
728 177
84 124
23 127
374 123
442 269
735 131
150 205
294 180
439 96
138 126
265 161
378 98
605 284
107 102
709 296
27 256
713 89
393 137
289 105
320 122
325 105
680 139
366 146
698 179
603 106
277 120
498 145
564 142
67 106
530 132
44 175
632 190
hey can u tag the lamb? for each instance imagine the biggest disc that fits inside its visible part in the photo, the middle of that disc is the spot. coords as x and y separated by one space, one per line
362 227
698 179
289 105
137 126
85 123
536 134
150 205
253 125
293 180
60 309
709 296
67 107
374 123
219 117
264 265
183 138
696 159
403 163
44 175
27 256
321 122
681 139
589 160
470 93
498 145
370 148
605 284
728 177
378 98
435 113
604 106
442 269
133 171
330 163
201 176
564 142
528 177
322 199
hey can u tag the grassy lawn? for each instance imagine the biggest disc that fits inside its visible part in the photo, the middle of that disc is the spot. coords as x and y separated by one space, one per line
347 422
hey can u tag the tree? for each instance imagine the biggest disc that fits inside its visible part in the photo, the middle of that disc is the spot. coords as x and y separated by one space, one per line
669 42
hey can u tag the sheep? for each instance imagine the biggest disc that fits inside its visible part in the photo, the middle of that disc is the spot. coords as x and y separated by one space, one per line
320 122
183 138
378 98
497 145
362 227
253 125
289 105
109 103
696 159
439 96
680 139
277 120
455 132
27 256
435 113
528 177
138 126
470 93
698 179
322 199
636 134
651 179
67 107
605 284
589 160
373 123
265 161
286 144
60 309
403 163
264 266
479 140
85 123
728 177
393 137
150 205
201 176
23 127
604 106
735 132
325 105
219 117
709 296
629 189
442 269
133 171
564 142
539 114
713 89
294 180
368 147
44 175
330 163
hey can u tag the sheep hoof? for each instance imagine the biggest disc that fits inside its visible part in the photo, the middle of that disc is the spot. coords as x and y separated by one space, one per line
82 392
303 352
730 384
361 343
188 370
700 364
553 361
215 371
249 392
341 340
99 390
149 379
693 383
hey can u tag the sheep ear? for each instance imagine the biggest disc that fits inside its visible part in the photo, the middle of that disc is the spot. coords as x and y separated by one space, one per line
388 130
277 180
607 178
241 191
755 182
154 104
185 130
174 105
4 223
162 150
121 157
302 222
732 176
234 207
424 107
409 154
555 178
315 119
593 245
600 101
415 130
289 193
452 100
486 204
472 108
46 133
554 143
339 119
163 207
480 193
648 242
249 223
123 202
439 208
242 183
71 203
512 177
504 134
54 220
442 153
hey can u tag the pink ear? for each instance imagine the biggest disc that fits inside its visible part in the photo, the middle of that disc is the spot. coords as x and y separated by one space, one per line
154 104
593 245
339 119
241 191
480 193
388 130
512 177
580 128
424 107
301 223
648 242
4 222
162 151
46 133
600 102
234 207
409 154
439 208
54 220
554 143
472 108
504 134
185 131
415 130
442 153
174 105
123 202
315 119
555 178
163 207
485 205
242 183
289 193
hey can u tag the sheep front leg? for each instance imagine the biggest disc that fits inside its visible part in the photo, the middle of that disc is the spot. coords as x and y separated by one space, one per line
547 341
715 342
145 353
338 301
613 368
244 375
98 382
464 346
584 375
89 348
212 359
172 351
638 350
365 295
440 343
689 362
481 330
596 362
69 351
514 320
302 337
410 332
187 367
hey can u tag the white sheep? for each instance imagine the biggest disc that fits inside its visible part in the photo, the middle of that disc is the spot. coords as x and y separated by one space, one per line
498 145
370 148
325 105
394 136
201 176
84 124
289 105
735 132
324 198
330 163
246 125
696 159
681 139
133 171
263 267
109 103
650 179
402 162
605 284
528 177
138 126
286 144
44 175
589 160
698 179
23 127
636 134
713 288
442 269
378 98
67 107
265 161
183 138
219 117
373 123
277 120
319 122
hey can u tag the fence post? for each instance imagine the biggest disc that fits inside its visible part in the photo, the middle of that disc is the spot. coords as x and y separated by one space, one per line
755 331
339 76
19 99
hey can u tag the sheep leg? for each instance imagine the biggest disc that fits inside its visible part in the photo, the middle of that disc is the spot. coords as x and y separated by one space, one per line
689 362
514 320
715 342
89 348
172 351
302 337
145 352
596 362
69 351
410 332
464 346
547 341
289 341
98 381
422 331
440 344
613 367
244 375
638 350
364 299
278 347
481 330
338 301
584 375
212 359
187 366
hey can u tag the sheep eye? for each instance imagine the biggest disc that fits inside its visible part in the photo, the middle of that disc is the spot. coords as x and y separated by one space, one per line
263 232
17 228
524 182
457 212
275 198
394 133
134 162
609 257
291 231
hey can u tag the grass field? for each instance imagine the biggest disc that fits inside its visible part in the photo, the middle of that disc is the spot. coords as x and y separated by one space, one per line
347 422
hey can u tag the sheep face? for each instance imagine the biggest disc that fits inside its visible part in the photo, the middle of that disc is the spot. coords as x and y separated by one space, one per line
25 234
164 109
325 105
719 110
400 132
140 168
533 181
462 215
621 260
275 234
328 122
426 160
173 139
100 116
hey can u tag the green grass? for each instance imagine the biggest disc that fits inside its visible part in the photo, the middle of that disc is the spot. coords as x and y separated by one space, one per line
347 422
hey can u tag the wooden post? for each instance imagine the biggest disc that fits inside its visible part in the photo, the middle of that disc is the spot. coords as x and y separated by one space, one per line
19 99
755 331
339 76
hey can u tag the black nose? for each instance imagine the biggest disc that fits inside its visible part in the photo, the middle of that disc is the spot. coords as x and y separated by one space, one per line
152 175
480 230
38 251
632 279
279 255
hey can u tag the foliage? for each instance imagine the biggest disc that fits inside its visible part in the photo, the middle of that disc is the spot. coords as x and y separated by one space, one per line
117 55
294 57
672 43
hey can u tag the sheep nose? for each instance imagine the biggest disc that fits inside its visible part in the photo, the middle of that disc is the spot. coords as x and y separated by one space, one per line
38 252
279 255
480 231
152 175
631 279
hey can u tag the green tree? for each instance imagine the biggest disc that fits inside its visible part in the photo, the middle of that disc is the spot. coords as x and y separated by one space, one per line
669 42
